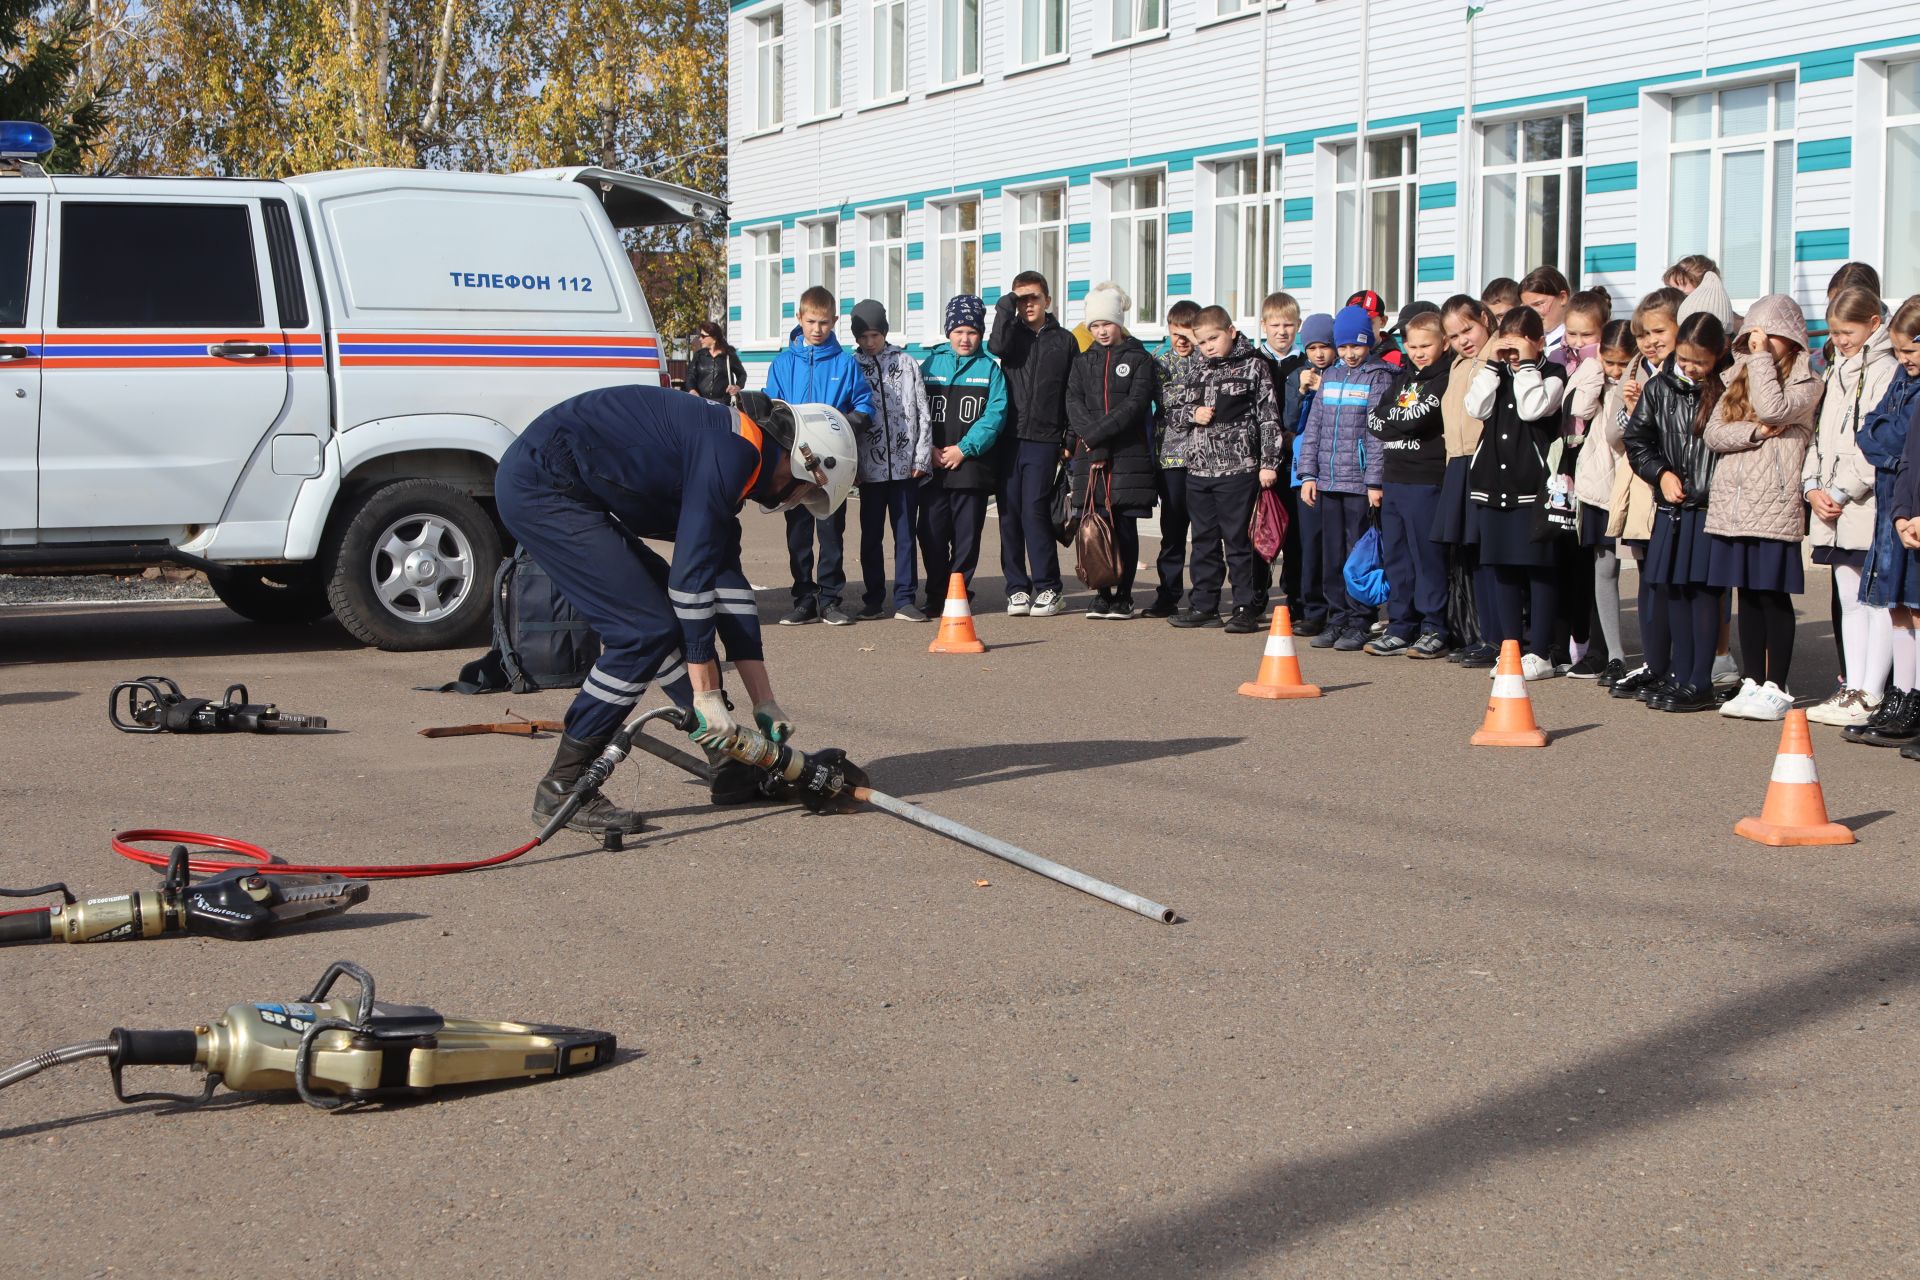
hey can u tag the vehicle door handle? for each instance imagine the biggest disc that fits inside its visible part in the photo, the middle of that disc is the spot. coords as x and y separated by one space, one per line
11 352
239 350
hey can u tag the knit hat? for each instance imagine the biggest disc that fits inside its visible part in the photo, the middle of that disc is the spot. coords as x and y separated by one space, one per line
1317 329
1108 301
869 314
1711 298
965 311
1353 327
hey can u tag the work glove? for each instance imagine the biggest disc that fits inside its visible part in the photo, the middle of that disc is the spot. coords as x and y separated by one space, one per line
773 721
713 722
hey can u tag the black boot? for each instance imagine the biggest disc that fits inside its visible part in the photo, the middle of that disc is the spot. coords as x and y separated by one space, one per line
598 814
1895 724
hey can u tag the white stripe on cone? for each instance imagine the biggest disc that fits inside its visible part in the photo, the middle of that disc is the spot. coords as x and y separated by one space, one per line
1279 646
955 607
1798 769
1510 686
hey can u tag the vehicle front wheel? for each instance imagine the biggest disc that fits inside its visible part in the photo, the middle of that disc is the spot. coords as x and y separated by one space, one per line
272 593
413 567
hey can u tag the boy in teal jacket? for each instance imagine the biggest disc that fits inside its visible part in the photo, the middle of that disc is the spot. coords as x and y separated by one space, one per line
967 398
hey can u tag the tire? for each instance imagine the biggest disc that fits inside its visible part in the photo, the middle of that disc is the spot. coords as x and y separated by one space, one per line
413 568
280 594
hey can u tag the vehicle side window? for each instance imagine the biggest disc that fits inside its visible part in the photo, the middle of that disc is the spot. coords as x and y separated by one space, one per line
16 257
157 266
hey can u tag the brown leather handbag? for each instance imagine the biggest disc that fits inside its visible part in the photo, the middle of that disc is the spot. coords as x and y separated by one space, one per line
1097 561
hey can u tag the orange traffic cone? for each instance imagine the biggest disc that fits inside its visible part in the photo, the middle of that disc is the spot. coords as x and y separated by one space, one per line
956 622
1509 721
1279 668
1796 810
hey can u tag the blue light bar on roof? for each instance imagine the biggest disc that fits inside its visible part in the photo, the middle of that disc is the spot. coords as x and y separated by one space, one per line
24 140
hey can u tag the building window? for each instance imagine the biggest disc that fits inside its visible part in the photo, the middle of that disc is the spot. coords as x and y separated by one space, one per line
1227 8
1041 216
888 32
959 248
1246 234
1043 30
1730 185
823 254
1903 175
1374 207
1532 181
769 70
1131 18
826 57
764 273
1137 234
887 260
958 40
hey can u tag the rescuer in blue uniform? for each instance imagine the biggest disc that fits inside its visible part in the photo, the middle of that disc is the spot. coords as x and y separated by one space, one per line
592 476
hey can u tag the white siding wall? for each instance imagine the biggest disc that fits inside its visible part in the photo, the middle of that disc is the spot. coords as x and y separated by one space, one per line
1170 102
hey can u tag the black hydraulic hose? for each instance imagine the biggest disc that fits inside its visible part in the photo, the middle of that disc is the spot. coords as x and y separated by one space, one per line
54 1057
26 926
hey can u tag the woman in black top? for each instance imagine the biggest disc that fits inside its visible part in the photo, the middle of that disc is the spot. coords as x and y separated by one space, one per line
715 372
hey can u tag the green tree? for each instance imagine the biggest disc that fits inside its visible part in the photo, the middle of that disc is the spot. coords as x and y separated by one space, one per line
43 75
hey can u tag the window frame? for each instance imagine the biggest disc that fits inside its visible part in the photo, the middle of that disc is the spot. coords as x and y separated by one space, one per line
1902 279
822 260
1017 59
1774 143
1363 186
765 286
873 47
834 28
938 41
769 34
1057 226
946 285
1266 266
67 291
1148 304
1113 38
1571 170
880 251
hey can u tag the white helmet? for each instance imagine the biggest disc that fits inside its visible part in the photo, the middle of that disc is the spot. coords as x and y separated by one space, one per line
825 452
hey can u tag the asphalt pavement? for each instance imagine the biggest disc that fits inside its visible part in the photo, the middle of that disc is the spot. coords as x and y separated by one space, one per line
1430 1010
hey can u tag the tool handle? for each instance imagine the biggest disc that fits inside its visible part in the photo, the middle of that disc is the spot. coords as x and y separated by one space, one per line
155 1048
26 926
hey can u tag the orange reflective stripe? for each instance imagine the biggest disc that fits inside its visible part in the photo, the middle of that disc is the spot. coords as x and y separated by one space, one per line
750 432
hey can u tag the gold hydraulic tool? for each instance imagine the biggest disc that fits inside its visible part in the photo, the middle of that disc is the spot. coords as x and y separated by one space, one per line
332 1051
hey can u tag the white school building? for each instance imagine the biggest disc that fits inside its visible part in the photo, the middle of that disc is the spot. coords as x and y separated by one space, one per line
1216 149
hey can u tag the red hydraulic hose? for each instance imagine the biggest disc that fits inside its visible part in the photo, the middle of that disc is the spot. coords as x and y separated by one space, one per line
253 858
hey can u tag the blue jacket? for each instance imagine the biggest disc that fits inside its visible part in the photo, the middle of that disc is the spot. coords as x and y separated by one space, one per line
1336 453
826 374
967 398
675 468
1892 576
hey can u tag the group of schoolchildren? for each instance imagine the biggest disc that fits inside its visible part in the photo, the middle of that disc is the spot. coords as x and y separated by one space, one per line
1509 449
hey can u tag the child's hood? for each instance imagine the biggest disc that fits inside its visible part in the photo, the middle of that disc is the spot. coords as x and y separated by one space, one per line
1779 316
1239 351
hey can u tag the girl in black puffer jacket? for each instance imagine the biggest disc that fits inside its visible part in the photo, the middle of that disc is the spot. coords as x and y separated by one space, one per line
1110 395
1666 449
715 372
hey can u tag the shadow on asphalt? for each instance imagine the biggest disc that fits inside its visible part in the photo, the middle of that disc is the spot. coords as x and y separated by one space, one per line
1666 1074
75 633
1865 819
931 772
38 695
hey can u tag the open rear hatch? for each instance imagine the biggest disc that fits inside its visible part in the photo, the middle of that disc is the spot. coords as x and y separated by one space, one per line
634 201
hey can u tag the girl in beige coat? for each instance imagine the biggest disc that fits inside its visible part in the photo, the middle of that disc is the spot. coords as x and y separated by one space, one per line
1469 327
1761 427
1838 481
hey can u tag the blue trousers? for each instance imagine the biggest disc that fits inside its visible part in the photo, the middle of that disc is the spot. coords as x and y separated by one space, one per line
884 505
950 525
1416 565
802 528
1029 557
618 584
1305 583
1342 517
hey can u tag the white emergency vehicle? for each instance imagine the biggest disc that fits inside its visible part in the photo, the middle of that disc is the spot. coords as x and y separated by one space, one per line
303 387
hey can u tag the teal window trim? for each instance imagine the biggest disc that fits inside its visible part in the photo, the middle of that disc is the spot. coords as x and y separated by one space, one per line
1603 178
1610 258
916 302
1429 270
1079 232
916 250
1077 289
1298 209
1438 195
1826 244
1180 222
786 266
1300 277
1817 155
990 242
733 271
786 311
846 258
1178 286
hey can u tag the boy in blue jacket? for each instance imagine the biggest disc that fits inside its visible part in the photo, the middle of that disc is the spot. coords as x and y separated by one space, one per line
816 369
967 401
1306 592
1341 468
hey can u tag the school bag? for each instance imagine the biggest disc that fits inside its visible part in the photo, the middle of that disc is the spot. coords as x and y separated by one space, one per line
539 640
1366 579
1097 560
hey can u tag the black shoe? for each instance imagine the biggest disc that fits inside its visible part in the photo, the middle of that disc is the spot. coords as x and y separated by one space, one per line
1686 697
1911 751
1160 609
803 611
872 613
1898 728
834 616
597 814
1611 675
1243 622
1309 627
1429 646
1591 667
1352 640
1480 657
1328 638
1629 684
1659 688
1187 619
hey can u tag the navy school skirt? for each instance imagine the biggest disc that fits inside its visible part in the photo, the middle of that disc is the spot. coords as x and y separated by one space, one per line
1757 564
1593 527
1679 551
1450 513
1506 537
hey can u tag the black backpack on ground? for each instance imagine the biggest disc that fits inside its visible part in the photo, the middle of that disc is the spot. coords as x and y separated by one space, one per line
539 640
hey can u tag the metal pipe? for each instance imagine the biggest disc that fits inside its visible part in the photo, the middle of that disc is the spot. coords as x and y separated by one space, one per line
54 1057
955 831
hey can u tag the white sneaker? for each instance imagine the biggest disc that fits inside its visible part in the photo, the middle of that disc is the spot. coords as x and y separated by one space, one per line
1771 702
1741 704
1845 707
1726 672
1018 604
1535 667
1046 604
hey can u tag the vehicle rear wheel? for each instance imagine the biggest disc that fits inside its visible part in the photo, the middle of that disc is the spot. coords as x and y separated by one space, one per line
272 593
412 568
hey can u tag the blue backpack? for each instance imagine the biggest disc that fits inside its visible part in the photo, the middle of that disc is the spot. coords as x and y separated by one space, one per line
1366 580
